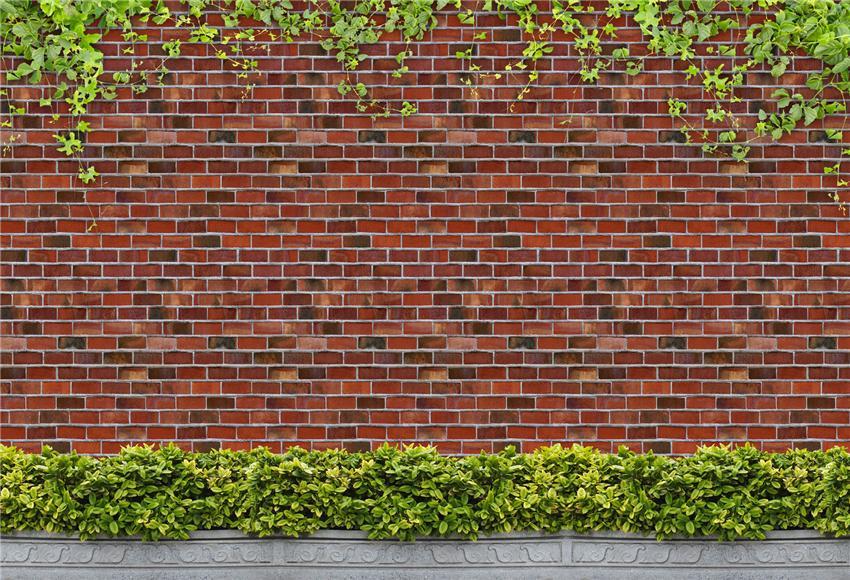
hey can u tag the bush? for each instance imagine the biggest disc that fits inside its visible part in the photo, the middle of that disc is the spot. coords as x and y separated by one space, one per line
405 493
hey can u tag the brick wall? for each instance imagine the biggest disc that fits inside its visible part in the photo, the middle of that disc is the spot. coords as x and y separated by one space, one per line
282 269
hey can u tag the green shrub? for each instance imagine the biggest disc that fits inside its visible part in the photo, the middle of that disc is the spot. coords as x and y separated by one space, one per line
405 493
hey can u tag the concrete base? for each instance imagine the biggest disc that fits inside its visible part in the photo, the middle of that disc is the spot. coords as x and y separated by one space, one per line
345 555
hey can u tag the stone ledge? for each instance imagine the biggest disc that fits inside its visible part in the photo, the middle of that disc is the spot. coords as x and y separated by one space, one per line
349 555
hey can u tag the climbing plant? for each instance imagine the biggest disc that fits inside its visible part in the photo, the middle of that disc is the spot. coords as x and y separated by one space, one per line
58 44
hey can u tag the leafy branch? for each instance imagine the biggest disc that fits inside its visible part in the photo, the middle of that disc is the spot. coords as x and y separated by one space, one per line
56 42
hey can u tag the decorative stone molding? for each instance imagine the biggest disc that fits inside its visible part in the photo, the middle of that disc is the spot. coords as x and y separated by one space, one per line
346 555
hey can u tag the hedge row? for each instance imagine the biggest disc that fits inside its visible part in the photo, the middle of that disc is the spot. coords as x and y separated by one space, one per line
405 493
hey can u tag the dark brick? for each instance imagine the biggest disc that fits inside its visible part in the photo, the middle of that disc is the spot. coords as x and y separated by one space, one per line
672 342
268 152
672 137
13 255
221 137
312 167
220 403
372 136
221 342
357 241
372 342
70 403
522 342
807 242
313 255
311 373
162 373
463 256
823 342
207 241
324 328
671 402
507 241
371 196
613 255
370 403
522 137
57 241
520 402
72 342
162 255
657 242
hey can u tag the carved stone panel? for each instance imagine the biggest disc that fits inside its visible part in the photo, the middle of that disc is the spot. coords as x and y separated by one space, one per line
707 553
337 555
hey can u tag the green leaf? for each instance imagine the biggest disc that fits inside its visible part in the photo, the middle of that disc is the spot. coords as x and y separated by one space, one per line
841 66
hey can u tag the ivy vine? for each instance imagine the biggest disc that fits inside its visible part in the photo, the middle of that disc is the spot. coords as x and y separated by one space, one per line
56 44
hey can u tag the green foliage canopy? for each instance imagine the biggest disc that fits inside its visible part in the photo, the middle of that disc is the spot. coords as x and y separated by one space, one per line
415 491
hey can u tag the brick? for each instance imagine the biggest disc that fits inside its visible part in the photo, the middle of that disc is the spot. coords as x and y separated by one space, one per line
72 342
672 342
372 342
522 137
823 342
221 342
221 137
521 342
13 255
371 136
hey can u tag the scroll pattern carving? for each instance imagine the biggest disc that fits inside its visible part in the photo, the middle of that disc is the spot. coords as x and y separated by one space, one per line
347 554
133 553
711 554
428 553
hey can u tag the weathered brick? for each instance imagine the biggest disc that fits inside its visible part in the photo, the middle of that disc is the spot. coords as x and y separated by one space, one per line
221 137
522 137
521 342
219 342
72 342
372 342
823 342
372 136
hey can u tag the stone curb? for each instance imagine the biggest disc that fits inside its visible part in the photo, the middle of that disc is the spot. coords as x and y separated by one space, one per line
349 555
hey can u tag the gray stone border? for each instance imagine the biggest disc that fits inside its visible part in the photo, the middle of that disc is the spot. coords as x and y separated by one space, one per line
349 555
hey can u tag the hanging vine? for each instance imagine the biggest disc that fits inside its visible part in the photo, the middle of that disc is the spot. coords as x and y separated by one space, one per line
55 44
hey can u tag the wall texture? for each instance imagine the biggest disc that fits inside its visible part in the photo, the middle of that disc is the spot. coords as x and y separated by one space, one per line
281 269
